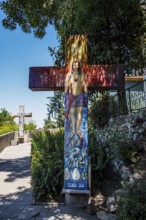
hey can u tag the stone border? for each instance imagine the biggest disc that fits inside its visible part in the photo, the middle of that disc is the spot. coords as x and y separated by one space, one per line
5 140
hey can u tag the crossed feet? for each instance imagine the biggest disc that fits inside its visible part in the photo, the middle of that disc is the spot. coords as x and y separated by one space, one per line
76 132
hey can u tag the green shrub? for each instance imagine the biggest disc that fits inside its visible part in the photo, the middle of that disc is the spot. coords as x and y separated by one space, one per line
99 159
132 205
47 164
7 123
101 108
6 128
98 111
31 126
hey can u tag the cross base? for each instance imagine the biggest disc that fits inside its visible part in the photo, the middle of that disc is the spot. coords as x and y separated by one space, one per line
71 191
76 197
21 140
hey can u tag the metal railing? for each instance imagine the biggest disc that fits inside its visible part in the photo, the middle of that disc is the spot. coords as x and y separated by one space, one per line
129 100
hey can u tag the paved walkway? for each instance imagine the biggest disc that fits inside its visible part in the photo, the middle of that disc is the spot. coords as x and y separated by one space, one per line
16 201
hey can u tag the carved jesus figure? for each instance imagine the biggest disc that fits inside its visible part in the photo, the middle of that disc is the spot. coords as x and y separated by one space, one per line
75 86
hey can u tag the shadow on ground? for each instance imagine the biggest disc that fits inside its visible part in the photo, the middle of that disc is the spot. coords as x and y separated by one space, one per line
18 168
23 196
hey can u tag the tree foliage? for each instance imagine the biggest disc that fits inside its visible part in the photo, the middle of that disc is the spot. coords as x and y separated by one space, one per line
31 126
31 16
55 110
7 123
115 29
5 117
132 202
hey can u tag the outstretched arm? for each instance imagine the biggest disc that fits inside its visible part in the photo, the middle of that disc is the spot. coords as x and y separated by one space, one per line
67 82
85 86
67 90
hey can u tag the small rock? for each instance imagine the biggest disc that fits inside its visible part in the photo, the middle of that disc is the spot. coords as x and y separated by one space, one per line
124 184
117 164
99 199
125 173
118 194
136 176
111 204
144 125
102 215
135 136
90 209
131 180
105 216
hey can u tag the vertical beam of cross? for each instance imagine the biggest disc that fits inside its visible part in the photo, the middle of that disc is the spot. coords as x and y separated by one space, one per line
76 117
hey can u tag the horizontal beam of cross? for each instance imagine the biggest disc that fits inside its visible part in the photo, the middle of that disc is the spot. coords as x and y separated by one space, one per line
27 115
98 77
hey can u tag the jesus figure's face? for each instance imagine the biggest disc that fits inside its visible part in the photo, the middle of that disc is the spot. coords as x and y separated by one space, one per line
75 66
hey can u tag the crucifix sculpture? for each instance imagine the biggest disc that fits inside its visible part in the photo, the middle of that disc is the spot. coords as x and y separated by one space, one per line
76 78
21 115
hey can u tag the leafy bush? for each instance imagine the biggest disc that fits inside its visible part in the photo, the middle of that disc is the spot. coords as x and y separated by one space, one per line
132 205
5 117
31 126
101 109
98 111
47 164
6 128
99 158
50 123
7 123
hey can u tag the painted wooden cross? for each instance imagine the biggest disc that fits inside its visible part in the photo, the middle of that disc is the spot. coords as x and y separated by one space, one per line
76 78
21 115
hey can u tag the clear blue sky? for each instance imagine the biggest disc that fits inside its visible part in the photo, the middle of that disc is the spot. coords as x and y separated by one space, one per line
18 52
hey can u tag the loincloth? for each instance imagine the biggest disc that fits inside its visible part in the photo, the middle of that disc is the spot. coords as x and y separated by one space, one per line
76 100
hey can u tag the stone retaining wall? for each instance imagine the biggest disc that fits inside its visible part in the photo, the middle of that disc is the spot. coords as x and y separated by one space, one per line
5 140
133 125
